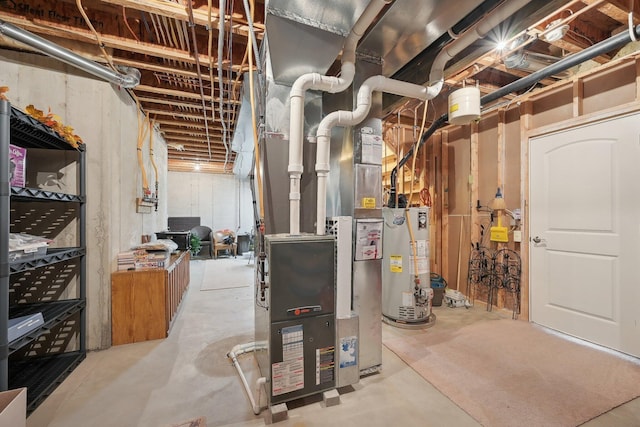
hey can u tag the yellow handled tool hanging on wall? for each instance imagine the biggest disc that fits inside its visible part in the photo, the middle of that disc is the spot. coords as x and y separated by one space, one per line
499 233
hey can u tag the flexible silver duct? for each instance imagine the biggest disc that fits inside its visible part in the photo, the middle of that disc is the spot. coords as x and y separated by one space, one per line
129 80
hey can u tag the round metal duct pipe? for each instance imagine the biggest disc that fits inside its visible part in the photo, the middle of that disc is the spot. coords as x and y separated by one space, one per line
129 80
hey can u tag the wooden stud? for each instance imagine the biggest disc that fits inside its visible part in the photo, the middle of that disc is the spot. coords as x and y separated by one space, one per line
473 178
444 202
578 98
435 178
501 147
526 119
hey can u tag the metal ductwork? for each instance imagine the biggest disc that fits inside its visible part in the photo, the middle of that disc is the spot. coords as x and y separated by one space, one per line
411 26
306 37
129 80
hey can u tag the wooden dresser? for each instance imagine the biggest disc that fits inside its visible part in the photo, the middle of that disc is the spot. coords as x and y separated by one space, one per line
144 302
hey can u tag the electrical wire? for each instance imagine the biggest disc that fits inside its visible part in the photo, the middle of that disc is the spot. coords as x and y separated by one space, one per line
227 84
416 148
107 57
256 146
196 54
126 22
221 20
142 133
210 54
152 157
414 248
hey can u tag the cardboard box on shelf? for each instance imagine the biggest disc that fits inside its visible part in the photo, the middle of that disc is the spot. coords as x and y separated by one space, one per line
13 407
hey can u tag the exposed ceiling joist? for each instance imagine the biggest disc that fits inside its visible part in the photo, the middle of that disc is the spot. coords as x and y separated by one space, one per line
175 71
187 124
179 93
200 17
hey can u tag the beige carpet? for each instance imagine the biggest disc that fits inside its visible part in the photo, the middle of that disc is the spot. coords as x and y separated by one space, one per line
513 373
226 273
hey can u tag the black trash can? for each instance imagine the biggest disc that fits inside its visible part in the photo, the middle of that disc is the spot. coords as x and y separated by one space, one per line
437 284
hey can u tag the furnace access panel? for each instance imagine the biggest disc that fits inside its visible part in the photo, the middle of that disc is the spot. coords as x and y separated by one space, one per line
297 318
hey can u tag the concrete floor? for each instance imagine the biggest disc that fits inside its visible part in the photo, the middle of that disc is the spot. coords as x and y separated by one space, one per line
164 382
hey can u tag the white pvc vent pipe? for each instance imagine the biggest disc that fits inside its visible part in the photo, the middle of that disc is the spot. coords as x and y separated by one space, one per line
478 31
328 84
233 355
352 118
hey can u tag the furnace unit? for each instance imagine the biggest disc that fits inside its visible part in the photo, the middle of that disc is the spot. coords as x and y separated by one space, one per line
295 316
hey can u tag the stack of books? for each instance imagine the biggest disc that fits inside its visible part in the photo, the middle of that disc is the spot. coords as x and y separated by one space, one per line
153 259
127 260
141 259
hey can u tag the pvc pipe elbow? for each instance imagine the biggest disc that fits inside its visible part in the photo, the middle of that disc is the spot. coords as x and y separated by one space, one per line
434 89
302 83
295 170
322 169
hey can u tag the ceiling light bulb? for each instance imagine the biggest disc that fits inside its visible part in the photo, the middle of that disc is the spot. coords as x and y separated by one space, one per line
196 167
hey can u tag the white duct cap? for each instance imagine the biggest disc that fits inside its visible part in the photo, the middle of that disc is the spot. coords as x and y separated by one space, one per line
464 105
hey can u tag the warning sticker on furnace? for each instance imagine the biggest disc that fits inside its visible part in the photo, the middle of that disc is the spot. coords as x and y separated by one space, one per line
325 364
288 375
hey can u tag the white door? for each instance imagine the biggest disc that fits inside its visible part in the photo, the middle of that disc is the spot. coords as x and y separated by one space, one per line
585 232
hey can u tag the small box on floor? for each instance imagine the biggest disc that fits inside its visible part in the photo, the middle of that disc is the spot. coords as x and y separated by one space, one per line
13 407
454 298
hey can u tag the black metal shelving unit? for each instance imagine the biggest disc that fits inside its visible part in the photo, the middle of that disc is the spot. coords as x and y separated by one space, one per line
43 370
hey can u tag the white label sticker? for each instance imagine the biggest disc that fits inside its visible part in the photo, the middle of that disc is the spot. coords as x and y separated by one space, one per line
288 375
348 351
422 249
371 149
423 266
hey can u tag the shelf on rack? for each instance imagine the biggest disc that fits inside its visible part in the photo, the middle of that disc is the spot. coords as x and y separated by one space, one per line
35 194
52 312
30 133
42 375
54 255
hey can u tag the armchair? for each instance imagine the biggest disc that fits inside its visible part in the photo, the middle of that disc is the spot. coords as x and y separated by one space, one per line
224 240
205 234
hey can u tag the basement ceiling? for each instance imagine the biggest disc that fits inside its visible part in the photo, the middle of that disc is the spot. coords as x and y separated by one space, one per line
195 102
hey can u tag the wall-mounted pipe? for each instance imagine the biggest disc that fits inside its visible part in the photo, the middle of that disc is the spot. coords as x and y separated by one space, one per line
351 118
129 80
476 32
328 84
597 49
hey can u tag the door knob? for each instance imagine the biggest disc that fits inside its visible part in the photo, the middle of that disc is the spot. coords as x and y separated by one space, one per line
537 239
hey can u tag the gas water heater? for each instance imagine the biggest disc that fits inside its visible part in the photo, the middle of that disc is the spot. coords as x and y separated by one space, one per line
406 296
